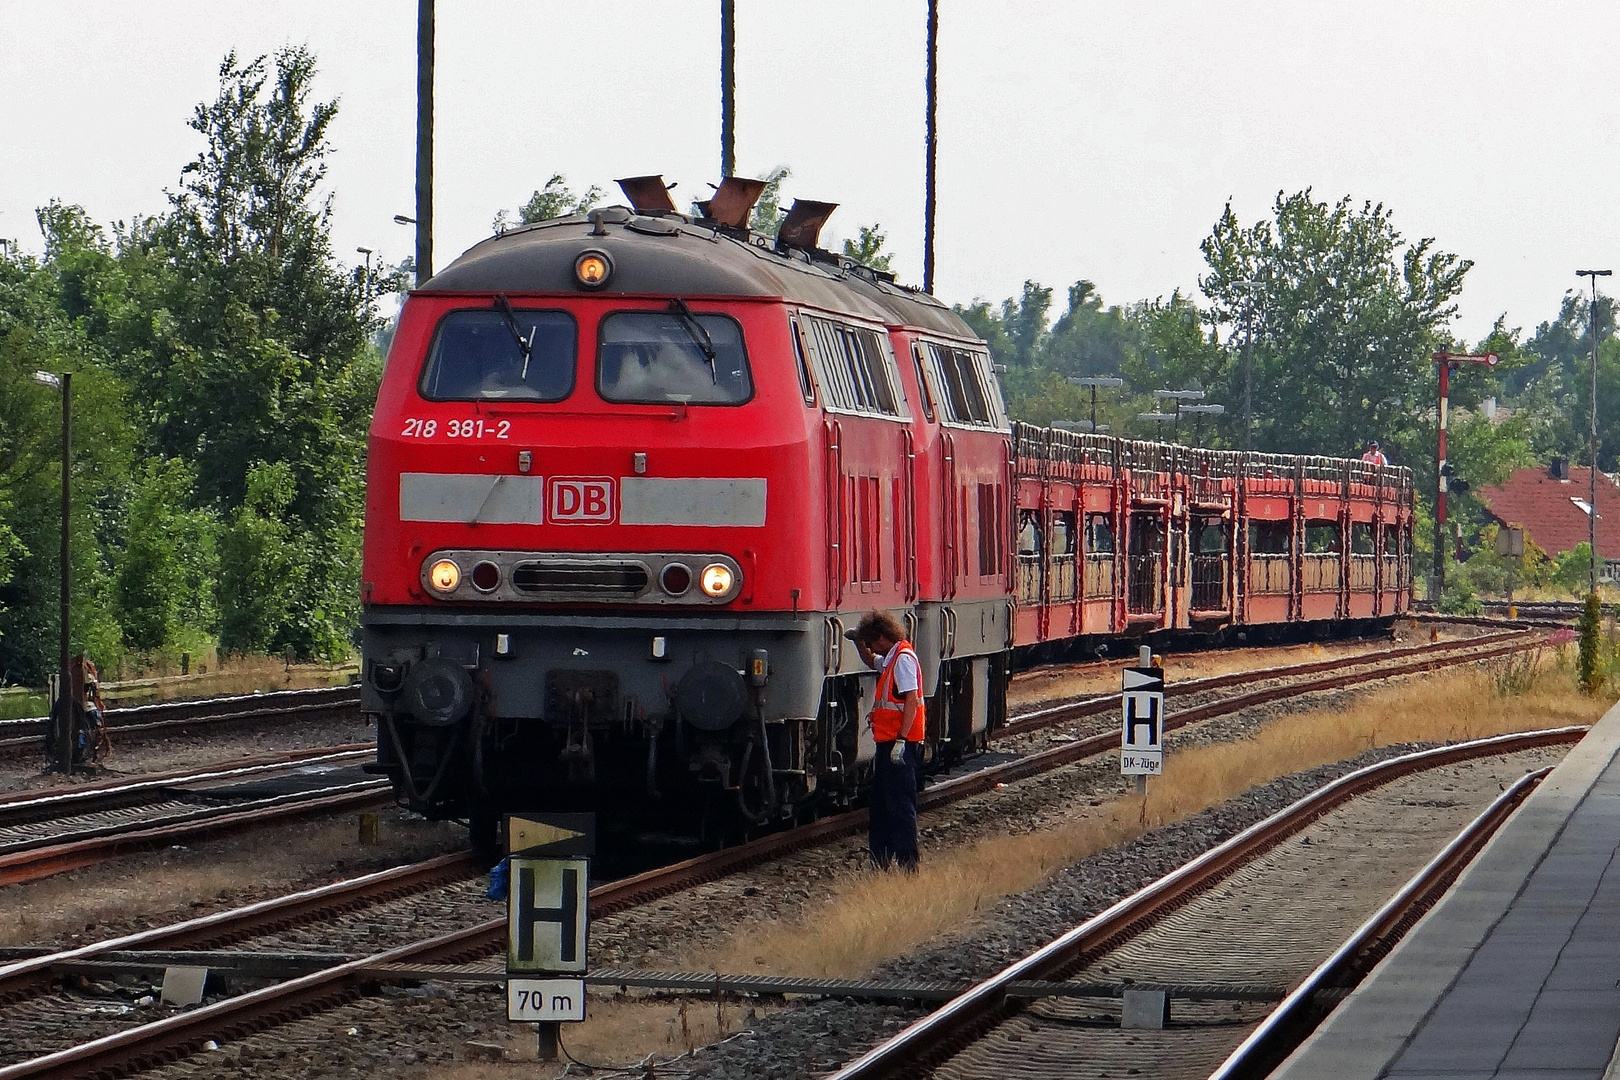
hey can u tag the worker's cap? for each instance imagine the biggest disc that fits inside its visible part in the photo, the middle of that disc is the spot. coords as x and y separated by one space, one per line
850 634
1372 443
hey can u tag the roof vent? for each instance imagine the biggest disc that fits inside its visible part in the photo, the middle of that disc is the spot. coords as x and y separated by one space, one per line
733 201
1558 469
802 226
647 193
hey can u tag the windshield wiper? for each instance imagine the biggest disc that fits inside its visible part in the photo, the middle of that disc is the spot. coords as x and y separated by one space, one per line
525 344
700 336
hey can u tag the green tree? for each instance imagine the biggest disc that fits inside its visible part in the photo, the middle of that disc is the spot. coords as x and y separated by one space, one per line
258 559
554 200
258 348
767 215
169 564
1346 314
868 248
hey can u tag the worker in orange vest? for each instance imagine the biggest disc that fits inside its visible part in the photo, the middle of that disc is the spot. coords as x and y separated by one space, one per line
899 721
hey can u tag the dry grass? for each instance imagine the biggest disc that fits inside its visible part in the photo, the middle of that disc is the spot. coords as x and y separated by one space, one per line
227 675
618 1033
874 917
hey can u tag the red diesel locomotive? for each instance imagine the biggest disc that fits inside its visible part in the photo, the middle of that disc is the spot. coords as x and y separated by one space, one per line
634 472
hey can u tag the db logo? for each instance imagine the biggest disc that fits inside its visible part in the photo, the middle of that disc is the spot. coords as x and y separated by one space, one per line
575 499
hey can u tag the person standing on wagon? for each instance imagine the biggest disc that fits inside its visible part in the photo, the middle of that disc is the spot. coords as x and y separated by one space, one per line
899 721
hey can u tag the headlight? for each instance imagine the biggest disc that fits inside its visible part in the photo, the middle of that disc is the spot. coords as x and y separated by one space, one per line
717 579
592 269
444 576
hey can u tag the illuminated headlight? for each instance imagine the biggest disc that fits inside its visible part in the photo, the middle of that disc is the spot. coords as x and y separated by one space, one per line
444 576
717 580
592 269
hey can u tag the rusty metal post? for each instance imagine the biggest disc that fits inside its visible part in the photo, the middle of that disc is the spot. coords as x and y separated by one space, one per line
424 140
728 88
931 140
1592 515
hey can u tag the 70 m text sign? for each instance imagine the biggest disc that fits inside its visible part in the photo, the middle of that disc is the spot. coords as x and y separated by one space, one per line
531 1001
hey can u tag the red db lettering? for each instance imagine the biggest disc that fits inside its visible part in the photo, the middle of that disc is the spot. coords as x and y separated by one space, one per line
580 500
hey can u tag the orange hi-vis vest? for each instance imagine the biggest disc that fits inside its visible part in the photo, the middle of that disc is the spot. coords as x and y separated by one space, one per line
889 708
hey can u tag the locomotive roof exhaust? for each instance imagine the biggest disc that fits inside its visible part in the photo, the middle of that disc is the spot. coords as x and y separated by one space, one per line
802 226
647 193
733 201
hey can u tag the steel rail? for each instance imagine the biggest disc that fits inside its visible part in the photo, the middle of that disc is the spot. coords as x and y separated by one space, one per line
1057 714
39 862
928 1041
28 808
26 733
118 1053
1292 1019
21 977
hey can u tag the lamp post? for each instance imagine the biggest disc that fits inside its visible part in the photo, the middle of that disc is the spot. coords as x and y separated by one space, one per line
1201 411
63 706
1591 312
367 252
1177 396
1095 383
1447 361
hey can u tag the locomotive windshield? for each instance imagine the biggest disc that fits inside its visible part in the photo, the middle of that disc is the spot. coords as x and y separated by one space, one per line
476 357
653 357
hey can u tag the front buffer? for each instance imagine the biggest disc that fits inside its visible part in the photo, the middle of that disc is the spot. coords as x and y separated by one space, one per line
481 714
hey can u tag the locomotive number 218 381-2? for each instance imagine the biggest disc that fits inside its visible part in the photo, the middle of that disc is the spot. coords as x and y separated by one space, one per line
456 429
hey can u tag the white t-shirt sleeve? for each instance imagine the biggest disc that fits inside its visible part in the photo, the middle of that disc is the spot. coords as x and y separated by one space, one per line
907 674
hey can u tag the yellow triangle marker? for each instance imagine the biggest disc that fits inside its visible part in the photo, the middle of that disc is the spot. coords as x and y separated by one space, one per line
527 834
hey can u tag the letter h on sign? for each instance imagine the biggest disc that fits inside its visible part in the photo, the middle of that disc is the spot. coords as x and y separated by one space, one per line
547 917
1142 711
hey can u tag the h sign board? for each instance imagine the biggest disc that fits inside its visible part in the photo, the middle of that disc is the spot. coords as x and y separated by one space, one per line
1141 747
530 1001
547 916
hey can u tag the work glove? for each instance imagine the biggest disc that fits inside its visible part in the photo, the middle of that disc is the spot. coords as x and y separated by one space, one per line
897 753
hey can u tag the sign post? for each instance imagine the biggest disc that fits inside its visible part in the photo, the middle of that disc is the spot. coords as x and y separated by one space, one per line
548 921
1141 748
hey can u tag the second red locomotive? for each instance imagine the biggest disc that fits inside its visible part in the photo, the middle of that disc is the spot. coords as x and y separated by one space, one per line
634 472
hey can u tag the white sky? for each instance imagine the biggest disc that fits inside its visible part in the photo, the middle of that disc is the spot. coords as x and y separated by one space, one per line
1095 140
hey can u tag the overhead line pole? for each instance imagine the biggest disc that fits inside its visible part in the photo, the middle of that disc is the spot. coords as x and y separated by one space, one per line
424 140
931 140
728 88
1593 515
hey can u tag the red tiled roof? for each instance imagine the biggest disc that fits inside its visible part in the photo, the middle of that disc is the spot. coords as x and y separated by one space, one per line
1534 501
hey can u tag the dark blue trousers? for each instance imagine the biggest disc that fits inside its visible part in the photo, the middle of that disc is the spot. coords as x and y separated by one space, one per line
892 821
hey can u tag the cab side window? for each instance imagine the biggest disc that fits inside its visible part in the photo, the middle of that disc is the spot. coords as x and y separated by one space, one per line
968 392
855 368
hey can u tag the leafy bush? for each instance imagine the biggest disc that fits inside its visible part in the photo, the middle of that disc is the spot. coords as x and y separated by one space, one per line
1590 666
1459 599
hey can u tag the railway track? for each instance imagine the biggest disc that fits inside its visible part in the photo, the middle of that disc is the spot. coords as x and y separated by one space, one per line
280 706
1187 923
47 834
134 1047
44 834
